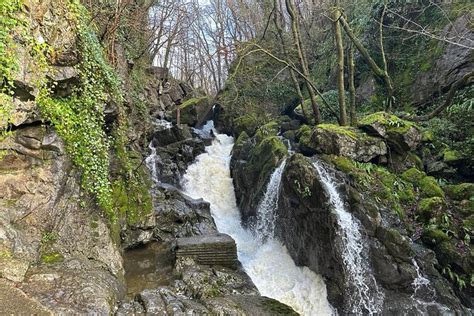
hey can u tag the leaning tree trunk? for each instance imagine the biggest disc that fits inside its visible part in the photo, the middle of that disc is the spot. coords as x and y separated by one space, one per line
464 81
379 72
290 7
351 74
340 66
294 79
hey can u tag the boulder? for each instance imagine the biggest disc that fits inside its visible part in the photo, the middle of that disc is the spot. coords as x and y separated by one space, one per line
343 141
401 135
251 168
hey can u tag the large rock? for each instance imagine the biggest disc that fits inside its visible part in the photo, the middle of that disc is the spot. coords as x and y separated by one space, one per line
343 141
401 135
52 245
251 168
452 65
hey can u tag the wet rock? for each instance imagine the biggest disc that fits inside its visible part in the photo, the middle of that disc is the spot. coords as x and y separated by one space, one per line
343 141
181 216
251 168
165 136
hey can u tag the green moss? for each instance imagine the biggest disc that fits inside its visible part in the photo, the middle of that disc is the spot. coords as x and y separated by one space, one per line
52 258
266 155
132 200
247 123
430 188
451 155
463 191
413 158
391 122
344 164
342 130
303 135
434 236
413 175
427 136
192 101
429 207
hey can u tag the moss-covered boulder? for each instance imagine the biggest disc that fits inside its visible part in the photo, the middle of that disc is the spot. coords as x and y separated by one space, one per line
430 188
401 135
427 184
247 123
195 111
343 141
251 166
430 207
463 191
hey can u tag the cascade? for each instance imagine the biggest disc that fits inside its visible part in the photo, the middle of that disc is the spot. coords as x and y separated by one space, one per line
265 224
365 295
267 262
150 161
422 290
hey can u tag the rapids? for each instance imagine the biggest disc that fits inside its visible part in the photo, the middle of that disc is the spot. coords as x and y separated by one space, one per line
266 261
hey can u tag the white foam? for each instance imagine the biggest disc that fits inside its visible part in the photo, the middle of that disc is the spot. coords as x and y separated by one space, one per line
268 263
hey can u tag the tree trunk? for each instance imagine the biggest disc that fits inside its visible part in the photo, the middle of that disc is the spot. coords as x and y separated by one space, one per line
351 74
381 73
290 7
340 66
294 79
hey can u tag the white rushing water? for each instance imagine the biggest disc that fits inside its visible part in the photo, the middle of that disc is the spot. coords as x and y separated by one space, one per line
365 295
424 295
268 262
265 224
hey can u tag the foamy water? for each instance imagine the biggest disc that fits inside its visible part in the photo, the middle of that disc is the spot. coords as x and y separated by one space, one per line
268 262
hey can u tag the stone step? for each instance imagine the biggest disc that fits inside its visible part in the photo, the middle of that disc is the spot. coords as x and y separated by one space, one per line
216 249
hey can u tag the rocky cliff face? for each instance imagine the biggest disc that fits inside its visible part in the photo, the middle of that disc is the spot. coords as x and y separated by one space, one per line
380 202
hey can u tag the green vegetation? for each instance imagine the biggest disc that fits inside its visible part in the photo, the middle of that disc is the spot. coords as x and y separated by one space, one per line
342 130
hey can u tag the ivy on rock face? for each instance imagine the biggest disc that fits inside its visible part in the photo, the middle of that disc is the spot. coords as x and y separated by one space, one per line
79 119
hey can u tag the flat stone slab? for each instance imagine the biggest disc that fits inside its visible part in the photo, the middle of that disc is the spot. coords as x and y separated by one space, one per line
216 249
15 302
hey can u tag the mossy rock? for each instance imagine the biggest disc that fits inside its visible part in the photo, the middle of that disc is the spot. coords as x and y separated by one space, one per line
413 175
401 135
434 236
430 188
463 191
346 141
429 207
266 155
452 156
51 258
340 130
344 164
269 129
133 199
247 123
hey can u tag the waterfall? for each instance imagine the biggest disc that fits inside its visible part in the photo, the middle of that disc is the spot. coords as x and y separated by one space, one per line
150 161
265 224
268 262
422 288
365 295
